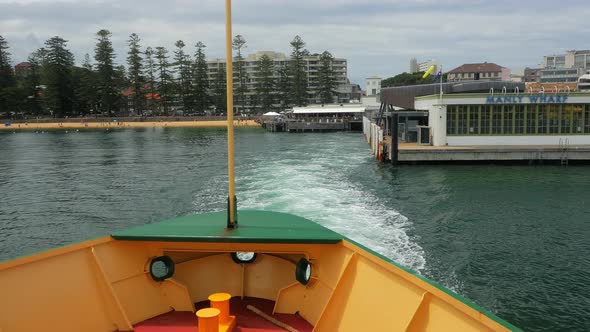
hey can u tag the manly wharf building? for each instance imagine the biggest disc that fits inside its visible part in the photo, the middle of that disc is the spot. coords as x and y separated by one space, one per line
489 121
508 118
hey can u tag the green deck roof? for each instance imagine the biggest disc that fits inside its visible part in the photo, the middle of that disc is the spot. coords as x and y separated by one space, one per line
254 227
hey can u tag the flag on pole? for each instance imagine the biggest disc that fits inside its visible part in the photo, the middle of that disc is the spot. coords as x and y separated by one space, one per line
438 75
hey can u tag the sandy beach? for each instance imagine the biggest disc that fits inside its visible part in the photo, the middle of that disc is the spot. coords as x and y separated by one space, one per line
114 125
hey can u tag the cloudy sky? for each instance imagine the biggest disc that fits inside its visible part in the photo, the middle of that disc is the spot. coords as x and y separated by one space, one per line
378 37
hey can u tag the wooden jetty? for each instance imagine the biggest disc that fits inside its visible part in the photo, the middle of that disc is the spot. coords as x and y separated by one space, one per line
312 125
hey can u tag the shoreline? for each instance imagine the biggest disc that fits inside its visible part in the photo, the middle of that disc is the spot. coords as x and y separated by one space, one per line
123 124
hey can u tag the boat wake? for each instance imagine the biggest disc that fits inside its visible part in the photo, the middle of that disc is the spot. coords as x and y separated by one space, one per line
317 191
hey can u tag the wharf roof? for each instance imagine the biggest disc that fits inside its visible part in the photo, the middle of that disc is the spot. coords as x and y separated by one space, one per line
328 109
486 67
404 96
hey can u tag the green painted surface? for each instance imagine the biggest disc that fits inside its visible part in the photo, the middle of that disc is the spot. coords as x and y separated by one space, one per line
253 227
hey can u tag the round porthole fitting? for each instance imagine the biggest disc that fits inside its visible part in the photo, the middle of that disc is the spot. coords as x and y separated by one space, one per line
303 271
161 268
243 257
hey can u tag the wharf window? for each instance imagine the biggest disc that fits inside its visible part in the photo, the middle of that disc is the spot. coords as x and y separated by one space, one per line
473 119
485 120
531 118
566 118
577 117
509 119
586 110
497 115
542 120
451 120
518 119
519 115
462 120
552 112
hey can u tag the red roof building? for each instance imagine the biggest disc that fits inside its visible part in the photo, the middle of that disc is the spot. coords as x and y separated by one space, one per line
149 96
23 69
486 71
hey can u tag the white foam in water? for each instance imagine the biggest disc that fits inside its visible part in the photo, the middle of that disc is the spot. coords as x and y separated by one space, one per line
308 191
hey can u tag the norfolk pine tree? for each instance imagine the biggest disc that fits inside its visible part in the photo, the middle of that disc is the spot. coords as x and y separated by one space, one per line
108 96
33 83
165 77
184 70
201 82
239 73
284 87
89 85
6 74
297 73
265 86
219 91
134 61
327 81
150 73
7 79
59 93
122 82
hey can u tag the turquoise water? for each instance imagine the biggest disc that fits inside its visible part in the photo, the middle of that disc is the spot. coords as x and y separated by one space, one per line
513 239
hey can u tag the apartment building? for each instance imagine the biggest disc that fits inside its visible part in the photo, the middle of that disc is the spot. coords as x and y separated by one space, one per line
416 66
281 61
532 74
564 68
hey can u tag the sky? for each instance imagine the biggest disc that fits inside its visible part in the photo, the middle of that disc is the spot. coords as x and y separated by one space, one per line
377 37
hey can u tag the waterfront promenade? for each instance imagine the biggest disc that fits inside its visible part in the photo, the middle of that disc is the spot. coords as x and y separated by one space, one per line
124 124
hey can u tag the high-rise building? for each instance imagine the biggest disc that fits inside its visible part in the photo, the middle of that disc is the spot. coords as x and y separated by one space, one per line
560 75
571 59
553 61
423 66
413 65
564 68
416 66
312 67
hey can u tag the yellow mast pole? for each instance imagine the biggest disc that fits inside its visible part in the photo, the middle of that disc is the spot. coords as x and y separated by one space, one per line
231 199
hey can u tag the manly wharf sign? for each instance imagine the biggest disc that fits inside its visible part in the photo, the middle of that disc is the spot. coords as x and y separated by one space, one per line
528 99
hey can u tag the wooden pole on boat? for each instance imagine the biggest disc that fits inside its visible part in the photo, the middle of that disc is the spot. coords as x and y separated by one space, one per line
271 319
231 198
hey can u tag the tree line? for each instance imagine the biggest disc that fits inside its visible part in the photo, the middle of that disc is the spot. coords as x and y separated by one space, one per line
153 82
404 79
